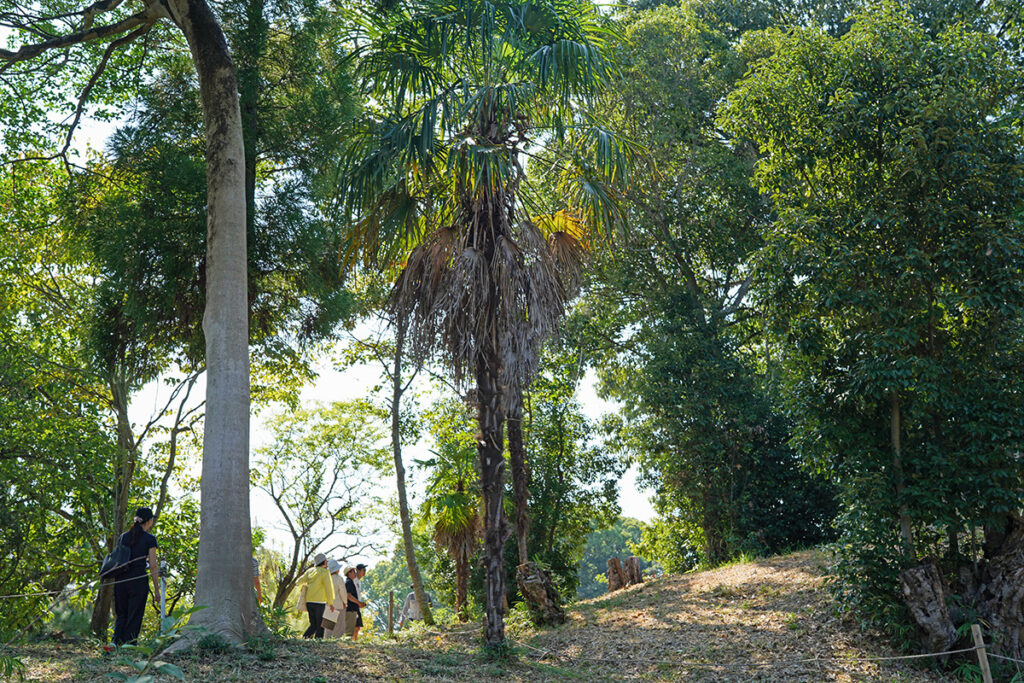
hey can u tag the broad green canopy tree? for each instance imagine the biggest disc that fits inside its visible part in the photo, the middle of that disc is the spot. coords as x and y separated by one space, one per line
464 92
673 313
46 32
319 471
893 158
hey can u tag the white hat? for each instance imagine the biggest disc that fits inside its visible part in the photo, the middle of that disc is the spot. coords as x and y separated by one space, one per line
333 566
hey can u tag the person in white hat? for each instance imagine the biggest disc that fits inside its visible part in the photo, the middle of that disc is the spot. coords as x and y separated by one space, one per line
335 612
319 592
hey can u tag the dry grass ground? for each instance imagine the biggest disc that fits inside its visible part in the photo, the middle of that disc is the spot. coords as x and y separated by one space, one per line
757 621
745 622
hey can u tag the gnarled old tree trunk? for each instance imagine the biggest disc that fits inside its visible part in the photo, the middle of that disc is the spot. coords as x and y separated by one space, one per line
925 595
1002 591
994 590
540 594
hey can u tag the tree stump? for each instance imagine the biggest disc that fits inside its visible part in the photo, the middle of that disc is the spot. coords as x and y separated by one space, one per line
632 570
616 577
925 596
540 595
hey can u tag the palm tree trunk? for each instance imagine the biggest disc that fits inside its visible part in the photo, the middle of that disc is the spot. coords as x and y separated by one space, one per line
223 583
520 473
403 502
461 587
490 449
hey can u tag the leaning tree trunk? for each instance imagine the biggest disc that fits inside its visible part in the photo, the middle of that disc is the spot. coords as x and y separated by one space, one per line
535 584
223 581
403 502
490 447
461 588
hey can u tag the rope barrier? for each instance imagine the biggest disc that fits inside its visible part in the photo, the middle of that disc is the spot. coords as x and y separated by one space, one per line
87 586
61 594
1008 659
755 665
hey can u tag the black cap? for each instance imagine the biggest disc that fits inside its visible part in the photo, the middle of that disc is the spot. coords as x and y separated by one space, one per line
360 566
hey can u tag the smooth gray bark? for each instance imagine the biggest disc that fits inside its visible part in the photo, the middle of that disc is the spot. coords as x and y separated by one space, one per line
224 578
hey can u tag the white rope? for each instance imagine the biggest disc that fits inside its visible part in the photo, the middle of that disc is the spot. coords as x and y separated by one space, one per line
87 586
1008 659
750 665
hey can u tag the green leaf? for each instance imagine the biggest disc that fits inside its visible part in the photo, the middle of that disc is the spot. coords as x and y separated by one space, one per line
168 669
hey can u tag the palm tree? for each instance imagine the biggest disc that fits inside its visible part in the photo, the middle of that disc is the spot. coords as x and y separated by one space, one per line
463 92
453 505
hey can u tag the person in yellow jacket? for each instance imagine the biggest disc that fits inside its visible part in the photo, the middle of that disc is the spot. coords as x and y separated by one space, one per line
319 593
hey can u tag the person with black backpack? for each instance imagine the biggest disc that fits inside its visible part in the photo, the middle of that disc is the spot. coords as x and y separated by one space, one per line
130 587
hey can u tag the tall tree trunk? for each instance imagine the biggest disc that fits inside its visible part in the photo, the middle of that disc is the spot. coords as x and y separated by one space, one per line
250 45
490 449
520 472
224 580
124 471
906 535
403 503
461 587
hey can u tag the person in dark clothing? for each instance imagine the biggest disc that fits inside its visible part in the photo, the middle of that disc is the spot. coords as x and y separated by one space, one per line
131 588
353 614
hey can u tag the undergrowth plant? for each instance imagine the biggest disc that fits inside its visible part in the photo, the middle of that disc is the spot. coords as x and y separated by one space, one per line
147 666
11 668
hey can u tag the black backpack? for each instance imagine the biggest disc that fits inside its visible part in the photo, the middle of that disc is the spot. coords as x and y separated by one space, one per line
116 562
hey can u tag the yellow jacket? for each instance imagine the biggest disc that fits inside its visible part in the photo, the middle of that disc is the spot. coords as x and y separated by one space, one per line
320 588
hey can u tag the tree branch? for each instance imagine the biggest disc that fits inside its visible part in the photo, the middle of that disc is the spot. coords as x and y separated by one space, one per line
97 72
147 17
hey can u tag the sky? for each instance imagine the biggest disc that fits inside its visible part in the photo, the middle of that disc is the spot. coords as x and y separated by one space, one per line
355 382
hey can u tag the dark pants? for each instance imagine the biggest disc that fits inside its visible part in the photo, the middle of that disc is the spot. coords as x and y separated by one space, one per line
316 617
130 604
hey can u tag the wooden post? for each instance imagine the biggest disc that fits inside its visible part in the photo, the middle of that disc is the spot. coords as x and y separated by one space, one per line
979 642
632 570
616 577
391 613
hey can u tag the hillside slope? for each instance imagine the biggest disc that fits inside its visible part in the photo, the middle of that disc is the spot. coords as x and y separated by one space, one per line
748 622
744 622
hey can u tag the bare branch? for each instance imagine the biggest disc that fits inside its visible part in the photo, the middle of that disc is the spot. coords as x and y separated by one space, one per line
186 385
173 448
97 72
